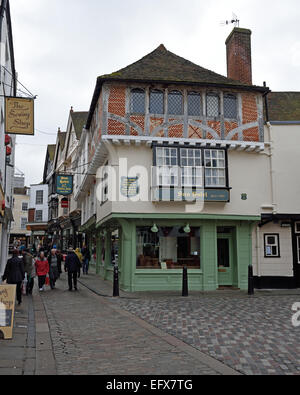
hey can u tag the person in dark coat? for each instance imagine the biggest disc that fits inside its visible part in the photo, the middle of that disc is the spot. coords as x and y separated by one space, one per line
86 259
53 268
72 266
14 274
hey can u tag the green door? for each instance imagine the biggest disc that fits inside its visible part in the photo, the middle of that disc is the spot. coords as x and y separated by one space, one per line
225 269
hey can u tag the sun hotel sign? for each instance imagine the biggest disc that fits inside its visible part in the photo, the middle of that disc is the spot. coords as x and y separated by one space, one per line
19 116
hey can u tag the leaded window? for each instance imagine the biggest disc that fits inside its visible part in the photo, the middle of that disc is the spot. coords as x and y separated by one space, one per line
212 105
175 103
138 101
156 102
230 106
194 104
215 168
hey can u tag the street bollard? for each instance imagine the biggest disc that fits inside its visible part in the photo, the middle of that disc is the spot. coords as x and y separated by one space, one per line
185 287
116 282
250 280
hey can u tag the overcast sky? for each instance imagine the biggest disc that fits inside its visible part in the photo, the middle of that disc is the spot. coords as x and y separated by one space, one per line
62 46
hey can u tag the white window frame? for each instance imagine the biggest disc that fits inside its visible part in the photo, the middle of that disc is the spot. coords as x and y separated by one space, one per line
167 167
39 194
191 167
36 219
271 246
24 222
215 171
24 204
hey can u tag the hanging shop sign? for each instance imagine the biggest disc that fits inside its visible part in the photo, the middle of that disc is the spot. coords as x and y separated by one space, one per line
65 203
64 185
19 116
129 186
7 310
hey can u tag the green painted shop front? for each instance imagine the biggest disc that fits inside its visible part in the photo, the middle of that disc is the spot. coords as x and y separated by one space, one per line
220 254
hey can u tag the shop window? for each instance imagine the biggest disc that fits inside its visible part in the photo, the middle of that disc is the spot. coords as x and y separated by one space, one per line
272 249
156 102
194 104
168 248
230 106
175 103
215 168
138 101
212 105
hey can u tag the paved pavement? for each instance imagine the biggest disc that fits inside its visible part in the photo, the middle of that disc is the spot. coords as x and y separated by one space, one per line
89 332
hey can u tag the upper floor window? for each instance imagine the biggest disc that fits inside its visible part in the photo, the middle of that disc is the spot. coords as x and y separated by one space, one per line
230 106
39 197
156 102
272 246
194 104
138 101
175 103
39 216
215 168
212 105
24 206
24 222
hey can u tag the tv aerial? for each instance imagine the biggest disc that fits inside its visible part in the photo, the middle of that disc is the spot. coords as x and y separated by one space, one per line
234 20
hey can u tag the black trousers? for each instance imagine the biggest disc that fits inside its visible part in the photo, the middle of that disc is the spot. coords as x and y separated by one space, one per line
19 292
42 280
72 280
30 285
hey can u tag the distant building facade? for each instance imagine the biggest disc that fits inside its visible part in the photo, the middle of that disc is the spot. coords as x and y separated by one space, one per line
19 234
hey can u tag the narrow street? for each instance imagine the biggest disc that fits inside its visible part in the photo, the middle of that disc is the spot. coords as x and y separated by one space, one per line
92 335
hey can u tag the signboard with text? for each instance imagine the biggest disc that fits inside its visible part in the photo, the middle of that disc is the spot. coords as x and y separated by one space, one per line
190 194
7 310
19 116
129 186
64 185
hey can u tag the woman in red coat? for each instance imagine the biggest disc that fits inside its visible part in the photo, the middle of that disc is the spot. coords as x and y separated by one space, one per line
42 269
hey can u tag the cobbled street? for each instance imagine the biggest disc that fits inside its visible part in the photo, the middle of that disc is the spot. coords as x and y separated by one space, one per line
91 334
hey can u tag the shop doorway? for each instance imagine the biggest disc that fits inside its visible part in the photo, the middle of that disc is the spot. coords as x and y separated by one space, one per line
225 258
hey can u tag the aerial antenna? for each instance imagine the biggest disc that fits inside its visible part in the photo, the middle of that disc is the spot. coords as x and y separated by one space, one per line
234 20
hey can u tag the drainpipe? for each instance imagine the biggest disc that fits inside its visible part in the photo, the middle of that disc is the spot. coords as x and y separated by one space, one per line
272 171
258 251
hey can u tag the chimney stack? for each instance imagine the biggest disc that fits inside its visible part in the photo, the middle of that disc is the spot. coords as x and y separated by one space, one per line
239 62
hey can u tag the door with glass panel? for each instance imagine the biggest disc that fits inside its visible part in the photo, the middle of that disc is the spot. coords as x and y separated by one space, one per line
225 260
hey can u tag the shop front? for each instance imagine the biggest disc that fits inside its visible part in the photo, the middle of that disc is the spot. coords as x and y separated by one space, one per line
152 252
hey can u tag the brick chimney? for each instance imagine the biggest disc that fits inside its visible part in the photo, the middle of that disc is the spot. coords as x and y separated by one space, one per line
239 62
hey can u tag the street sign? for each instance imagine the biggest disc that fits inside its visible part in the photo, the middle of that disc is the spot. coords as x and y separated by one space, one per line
7 310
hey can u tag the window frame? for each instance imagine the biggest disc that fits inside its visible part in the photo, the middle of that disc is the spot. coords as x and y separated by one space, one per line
180 167
194 93
179 94
39 202
35 216
217 95
277 237
25 204
23 224
230 95
137 90
161 91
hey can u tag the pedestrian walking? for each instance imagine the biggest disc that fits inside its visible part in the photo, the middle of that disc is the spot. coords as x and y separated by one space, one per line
29 268
60 258
14 273
72 265
42 269
86 259
80 257
53 268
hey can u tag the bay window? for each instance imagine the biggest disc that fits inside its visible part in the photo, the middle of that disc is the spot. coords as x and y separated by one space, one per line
190 167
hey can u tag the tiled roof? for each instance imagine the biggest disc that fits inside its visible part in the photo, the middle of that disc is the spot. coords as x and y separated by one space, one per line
284 106
163 65
79 119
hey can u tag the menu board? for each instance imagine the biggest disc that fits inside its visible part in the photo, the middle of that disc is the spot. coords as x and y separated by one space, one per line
7 309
